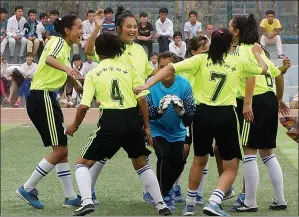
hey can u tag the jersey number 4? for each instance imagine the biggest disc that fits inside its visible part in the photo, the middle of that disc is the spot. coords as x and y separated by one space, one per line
115 92
221 81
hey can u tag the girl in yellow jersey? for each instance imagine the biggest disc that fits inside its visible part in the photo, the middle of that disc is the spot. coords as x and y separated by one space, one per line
52 72
134 55
112 82
259 130
217 75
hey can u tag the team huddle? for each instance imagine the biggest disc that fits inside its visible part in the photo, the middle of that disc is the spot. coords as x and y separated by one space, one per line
217 92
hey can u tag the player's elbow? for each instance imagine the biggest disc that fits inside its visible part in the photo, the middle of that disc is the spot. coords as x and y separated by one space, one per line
83 108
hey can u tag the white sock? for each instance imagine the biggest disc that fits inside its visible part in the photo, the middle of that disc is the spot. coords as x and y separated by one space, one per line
41 170
150 183
83 178
204 177
216 197
276 177
191 197
64 174
148 163
251 177
95 171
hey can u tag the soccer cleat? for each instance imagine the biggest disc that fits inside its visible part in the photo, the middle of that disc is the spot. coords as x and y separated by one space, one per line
189 210
147 198
199 199
84 210
214 210
229 194
94 198
278 206
169 202
239 201
163 209
30 197
72 202
177 194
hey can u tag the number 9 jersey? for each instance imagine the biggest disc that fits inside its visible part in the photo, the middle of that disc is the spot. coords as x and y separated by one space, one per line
112 83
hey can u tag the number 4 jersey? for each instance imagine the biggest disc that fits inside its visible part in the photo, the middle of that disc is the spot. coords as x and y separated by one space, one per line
215 84
263 83
112 83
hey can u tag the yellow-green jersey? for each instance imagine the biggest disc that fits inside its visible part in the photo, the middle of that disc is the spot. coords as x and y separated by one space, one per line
263 83
46 77
112 83
135 56
215 84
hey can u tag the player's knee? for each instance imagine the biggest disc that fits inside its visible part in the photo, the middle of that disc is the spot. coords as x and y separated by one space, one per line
265 152
200 161
60 152
139 162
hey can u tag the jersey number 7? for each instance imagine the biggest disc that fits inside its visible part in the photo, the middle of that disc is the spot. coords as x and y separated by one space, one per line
221 81
115 92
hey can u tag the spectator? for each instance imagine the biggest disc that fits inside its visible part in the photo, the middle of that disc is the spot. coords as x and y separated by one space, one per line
4 81
192 27
164 28
145 33
14 83
14 30
271 29
109 20
294 103
209 31
54 14
3 25
29 31
178 46
154 60
87 66
41 32
88 27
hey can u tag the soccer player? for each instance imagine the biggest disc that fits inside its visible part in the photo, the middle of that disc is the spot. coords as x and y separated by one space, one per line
51 74
171 107
112 82
217 75
260 120
134 55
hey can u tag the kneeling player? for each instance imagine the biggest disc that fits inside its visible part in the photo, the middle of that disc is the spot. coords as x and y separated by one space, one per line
171 106
112 82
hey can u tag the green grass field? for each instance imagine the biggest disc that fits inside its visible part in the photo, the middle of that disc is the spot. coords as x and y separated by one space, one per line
119 188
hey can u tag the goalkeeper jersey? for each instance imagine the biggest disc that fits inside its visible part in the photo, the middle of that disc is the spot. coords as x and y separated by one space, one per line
170 125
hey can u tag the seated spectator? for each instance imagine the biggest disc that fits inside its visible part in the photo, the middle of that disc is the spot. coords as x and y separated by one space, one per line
3 26
178 46
14 31
208 32
109 20
29 68
192 27
271 29
164 28
88 27
4 83
41 32
29 31
145 33
87 66
154 60
54 14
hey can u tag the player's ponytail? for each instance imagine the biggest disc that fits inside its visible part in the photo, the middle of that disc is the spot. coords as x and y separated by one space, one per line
66 22
108 45
120 16
220 45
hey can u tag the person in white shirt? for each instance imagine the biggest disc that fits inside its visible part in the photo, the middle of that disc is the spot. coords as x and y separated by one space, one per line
41 28
87 66
3 25
14 30
88 27
154 60
164 28
29 68
192 27
208 32
178 46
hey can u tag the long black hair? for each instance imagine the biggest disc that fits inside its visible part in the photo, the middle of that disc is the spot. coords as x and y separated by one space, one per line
121 15
248 28
220 45
194 43
66 22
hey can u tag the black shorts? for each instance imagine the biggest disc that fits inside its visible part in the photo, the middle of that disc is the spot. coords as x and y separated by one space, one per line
221 123
116 128
262 132
188 138
46 115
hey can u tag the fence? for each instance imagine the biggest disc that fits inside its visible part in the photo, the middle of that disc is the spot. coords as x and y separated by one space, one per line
215 12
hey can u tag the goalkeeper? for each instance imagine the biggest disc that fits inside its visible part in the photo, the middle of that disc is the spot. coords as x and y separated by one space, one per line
171 107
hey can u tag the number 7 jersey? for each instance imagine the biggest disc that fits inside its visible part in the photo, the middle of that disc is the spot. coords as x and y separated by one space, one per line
112 83
215 84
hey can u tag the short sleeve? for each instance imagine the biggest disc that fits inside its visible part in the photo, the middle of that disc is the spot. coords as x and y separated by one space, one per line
186 28
94 57
56 48
277 24
138 81
190 65
263 23
248 68
88 91
150 27
274 70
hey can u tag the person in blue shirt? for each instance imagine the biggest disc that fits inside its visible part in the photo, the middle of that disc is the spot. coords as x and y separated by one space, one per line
109 20
54 14
171 108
